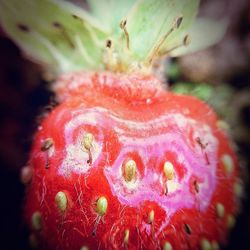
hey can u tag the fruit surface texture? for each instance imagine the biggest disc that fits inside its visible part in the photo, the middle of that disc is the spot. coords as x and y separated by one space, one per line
121 163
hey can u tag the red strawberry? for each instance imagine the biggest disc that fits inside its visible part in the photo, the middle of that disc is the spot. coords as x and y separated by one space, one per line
121 163
113 169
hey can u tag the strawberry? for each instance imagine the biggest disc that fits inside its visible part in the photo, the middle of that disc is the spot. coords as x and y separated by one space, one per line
121 163
126 170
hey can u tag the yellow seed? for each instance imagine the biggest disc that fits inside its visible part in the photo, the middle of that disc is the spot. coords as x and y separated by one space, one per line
220 210
126 236
168 170
36 221
130 170
167 246
61 201
26 175
215 245
238 189
230 221
228 163
205 244
101 206
87 141
222 125
47 144
187 228
84 248
33 241
151 217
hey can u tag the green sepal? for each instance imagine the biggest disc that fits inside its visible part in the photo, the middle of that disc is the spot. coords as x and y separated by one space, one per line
203 33
110 12
188 10
149 23
57 34
65 38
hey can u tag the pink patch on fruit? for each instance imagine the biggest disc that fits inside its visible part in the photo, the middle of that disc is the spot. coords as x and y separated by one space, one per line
139 137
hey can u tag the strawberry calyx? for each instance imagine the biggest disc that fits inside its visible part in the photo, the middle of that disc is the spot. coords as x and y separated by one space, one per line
118 36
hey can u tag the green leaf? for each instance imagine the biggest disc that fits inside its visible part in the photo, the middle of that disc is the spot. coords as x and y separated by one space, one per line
217 96
173 70
57 34
149 25
200 90
203 33
110 12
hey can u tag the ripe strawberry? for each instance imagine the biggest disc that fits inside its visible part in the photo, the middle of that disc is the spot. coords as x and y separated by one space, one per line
121 163
114 169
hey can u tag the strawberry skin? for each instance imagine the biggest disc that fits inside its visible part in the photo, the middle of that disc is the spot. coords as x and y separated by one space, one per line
123 164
